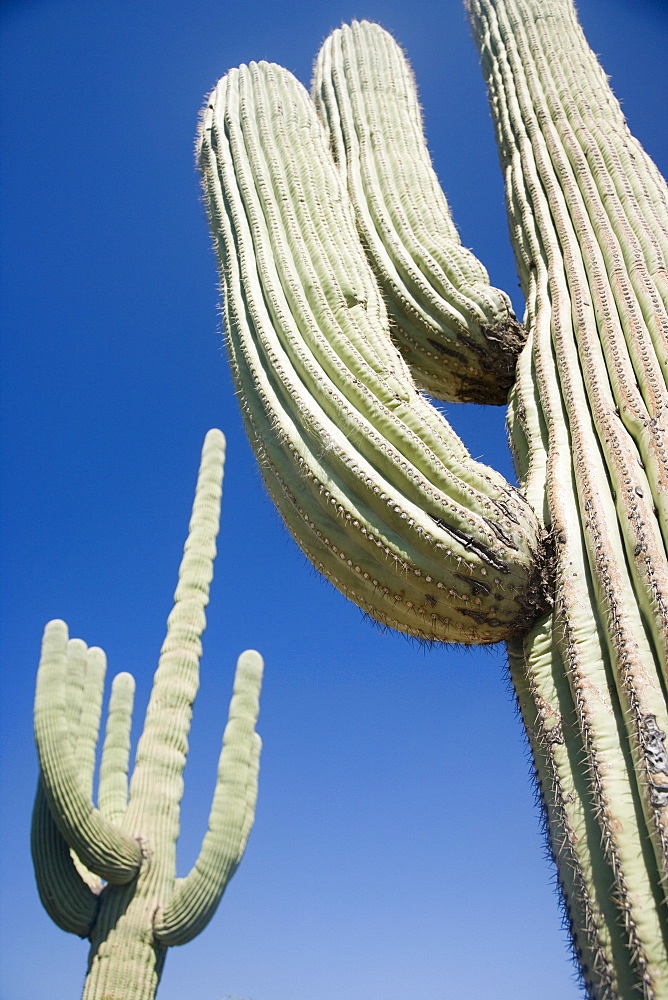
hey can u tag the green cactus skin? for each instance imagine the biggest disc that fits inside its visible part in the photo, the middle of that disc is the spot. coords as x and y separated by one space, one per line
587 418
373 483
458 335
109 873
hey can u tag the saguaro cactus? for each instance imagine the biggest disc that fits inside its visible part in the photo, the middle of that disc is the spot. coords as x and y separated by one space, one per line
347 291
108 873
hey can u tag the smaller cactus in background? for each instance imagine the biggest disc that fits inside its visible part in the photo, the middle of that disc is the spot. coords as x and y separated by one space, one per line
108 873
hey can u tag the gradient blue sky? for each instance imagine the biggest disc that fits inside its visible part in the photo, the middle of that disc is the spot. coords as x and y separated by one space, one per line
397 848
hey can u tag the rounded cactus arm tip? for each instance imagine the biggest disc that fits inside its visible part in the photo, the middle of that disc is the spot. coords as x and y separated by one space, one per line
113 790
88 726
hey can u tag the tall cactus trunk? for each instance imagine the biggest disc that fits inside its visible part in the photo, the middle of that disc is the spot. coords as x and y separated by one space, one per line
587 214
571 570
125 960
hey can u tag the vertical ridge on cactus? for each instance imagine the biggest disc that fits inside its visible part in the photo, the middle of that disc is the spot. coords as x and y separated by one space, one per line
376 489
585 872
130 843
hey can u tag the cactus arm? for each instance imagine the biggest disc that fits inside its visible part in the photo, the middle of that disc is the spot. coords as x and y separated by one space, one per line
65 895
377 489
100 846
195 900
113 790
457 333
88 726
156 786
85 670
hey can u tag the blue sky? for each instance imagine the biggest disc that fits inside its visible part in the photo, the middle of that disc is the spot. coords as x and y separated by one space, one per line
397 848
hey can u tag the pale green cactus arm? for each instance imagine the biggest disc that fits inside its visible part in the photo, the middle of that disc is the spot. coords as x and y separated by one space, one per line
156 786
197 896
88 724
125 919
65 895
68 890
86 669
457 333
378 490
103 848
113 790
588 416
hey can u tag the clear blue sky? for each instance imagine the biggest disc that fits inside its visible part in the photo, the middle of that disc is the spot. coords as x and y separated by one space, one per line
397 848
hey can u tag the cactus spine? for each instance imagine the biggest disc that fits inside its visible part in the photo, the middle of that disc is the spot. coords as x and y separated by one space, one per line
108 873
571 569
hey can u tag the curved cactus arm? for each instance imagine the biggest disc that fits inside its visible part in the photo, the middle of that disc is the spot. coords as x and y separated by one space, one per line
197 896
373 483
65 895
457 333
113 790
156 786
85 670
90 669
100 846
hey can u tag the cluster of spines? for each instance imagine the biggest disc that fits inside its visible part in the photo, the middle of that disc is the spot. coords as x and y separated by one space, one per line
588 215
375 486
108 873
